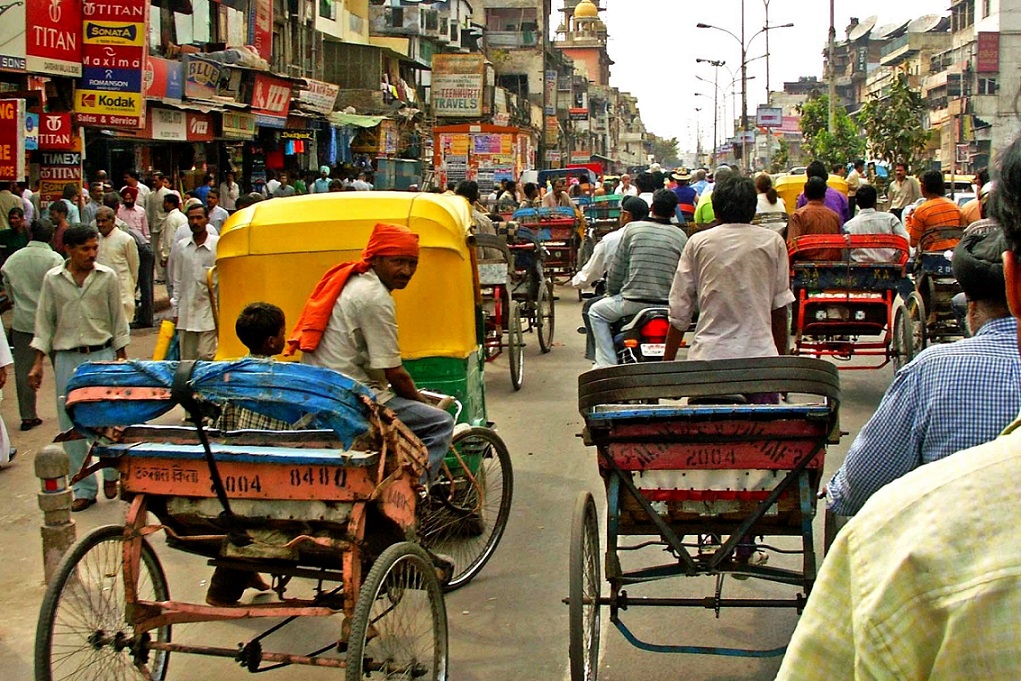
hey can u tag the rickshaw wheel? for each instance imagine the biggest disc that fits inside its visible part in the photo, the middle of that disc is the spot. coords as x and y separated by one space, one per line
82 631
585 587
902 345
516 346
917 319
402 601
469 503
545 316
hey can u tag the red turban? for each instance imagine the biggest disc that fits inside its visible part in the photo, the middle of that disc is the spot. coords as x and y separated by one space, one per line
386 241
129 192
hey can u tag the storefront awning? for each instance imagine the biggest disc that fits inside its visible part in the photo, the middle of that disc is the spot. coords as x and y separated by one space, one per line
339 119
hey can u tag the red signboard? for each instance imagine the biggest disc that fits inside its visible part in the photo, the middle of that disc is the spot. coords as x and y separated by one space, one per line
55 171
53 37
272 96
200 127
12 140
55 131
260 27
988 60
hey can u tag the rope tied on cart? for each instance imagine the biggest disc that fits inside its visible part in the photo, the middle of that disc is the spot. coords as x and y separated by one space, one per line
181 392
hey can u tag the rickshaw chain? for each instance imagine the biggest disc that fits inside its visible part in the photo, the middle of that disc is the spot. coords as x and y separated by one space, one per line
250 653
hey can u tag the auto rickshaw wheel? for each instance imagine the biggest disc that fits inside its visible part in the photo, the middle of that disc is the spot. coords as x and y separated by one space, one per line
469 503
82 631
917 320
585 585
399 626
516 345
902 345
545 317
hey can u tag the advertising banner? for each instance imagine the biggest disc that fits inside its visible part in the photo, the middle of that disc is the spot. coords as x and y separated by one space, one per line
12 37
552 130
457 85
200 126
271 98
577 114
12 140
201 77
55 171
168 125
163 79
988 60
31 131
769 117
53 37
319 96
550 93
114 54
260 27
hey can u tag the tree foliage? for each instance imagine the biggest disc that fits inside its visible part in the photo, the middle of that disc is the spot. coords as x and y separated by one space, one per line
664 151
843 145
782 157
893 125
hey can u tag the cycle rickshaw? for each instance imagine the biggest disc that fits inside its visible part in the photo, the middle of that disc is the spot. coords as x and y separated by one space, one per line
276 251
327 511
696 463
601 217
557 229
846 308
929 307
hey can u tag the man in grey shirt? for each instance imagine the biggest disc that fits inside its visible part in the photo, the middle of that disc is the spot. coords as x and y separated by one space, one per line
641 272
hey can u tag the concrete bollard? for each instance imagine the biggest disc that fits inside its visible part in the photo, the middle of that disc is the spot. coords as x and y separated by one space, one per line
58 529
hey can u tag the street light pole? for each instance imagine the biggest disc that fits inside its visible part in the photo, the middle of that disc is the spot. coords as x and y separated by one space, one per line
832 124
766 3
744 90
716 64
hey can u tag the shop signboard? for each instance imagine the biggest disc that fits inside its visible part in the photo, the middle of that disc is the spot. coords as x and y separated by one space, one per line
769 117
163 79
552 130
580 156
580 114
114 39
53 37
237 125
260 27
457 85
56 170
199 126
12 37
550 93
271 96
319 96
31 131
988 60
55 132
12 140
201 77
168 125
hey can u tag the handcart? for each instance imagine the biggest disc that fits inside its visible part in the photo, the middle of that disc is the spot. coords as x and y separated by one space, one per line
704 477
326 508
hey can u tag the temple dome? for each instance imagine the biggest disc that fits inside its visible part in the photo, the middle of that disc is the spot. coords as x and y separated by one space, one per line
586 10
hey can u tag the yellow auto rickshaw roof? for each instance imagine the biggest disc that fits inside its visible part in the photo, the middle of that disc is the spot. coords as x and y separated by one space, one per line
276 251
790 187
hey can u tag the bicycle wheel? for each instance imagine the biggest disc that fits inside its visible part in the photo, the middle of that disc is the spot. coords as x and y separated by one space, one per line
399 626
545 316
466 511
82 631
516 346
584 590
902 347
917 320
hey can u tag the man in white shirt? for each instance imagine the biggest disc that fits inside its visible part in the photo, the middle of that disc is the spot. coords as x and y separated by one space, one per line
156 215
870 221
217 215
191 305
270 188
361 184
625 188
229 193
119 252
173 221
80 319
736 275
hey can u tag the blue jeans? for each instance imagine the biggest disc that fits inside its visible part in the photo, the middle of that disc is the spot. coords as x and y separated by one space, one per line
434 427
602 315
64 364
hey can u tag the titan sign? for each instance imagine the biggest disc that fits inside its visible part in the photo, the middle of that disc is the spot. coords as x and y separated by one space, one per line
114 53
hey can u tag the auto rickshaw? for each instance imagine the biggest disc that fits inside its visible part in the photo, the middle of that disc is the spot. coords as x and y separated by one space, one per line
276 251
790 187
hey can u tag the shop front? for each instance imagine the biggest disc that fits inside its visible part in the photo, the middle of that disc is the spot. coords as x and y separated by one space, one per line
486 154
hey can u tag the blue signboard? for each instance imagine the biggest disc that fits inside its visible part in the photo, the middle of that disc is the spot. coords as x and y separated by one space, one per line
112 80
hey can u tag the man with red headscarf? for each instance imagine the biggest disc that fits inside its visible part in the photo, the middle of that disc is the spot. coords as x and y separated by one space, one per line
349 324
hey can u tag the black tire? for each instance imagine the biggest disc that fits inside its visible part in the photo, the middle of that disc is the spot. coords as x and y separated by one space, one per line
85 599
516 345
402 600
585 586
902 345
917 318
545 317
467 509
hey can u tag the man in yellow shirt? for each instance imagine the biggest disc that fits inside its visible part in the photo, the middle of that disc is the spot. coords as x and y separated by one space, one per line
925 582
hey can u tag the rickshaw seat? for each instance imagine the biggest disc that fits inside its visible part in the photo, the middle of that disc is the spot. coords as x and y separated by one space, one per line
283 456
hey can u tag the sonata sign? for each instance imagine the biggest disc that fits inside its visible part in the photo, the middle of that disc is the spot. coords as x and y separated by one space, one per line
114 53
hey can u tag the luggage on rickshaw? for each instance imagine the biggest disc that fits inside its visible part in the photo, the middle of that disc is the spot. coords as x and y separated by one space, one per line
848 307
557 229
700 460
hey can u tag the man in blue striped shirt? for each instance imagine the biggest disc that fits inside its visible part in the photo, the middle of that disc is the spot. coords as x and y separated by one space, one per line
951 397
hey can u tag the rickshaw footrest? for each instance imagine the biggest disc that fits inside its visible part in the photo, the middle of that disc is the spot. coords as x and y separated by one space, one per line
694 650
